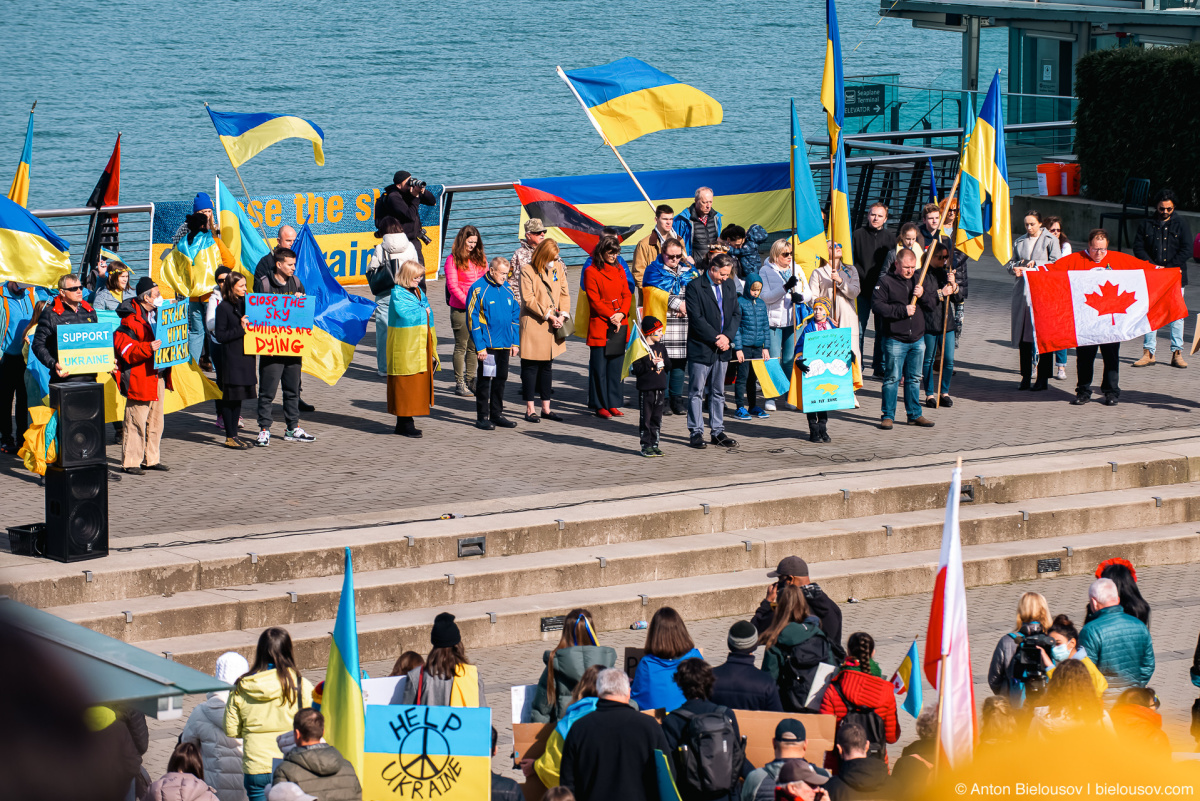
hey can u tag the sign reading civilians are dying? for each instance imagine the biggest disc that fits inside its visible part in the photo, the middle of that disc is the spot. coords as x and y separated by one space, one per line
426 752
85 348
172 331
280 325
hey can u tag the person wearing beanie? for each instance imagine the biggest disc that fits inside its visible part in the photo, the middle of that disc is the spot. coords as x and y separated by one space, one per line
652 371
221 754
446 678
141 384
739 684
817 321
750 342
403 200
202 202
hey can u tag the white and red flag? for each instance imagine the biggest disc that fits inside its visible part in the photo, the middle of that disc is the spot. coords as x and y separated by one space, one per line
1095 307
947 650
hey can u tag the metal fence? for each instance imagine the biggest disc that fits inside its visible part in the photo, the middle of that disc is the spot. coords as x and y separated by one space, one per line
135 238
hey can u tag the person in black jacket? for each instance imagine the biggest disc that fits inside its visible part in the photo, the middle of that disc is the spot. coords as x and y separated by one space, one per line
69 308
870 246
951 289
238 374
713 319
403 200
276 370
794 570
1165 241
739 684
859 777
897 301
286 237
652 371
695 680
609 753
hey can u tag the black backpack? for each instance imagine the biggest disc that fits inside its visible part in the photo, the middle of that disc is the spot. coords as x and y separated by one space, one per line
870 721
709 758
799 670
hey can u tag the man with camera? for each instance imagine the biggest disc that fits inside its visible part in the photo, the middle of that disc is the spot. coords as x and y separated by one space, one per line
794 570
402 200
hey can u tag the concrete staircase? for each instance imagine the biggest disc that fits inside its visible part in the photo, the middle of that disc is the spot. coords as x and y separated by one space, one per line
704 550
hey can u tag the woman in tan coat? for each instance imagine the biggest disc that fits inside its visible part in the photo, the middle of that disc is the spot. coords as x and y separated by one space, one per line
840 284
545 299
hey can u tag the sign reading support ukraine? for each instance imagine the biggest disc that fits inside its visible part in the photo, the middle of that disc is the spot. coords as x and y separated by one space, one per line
829 383
85 348
427 752
172 331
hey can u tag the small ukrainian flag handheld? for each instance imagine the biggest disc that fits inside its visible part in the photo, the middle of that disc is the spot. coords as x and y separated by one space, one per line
907 681
342 700
772 380
246 135
19 191
628 98
30 253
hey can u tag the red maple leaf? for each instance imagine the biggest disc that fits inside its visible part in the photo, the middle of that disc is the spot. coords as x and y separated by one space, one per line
1109 301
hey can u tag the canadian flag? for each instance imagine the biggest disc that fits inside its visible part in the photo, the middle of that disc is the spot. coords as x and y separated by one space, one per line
947 649
1095 307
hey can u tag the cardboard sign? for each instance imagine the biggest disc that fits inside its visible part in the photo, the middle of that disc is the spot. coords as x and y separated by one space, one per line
172 329
280 310
829 383
273 340
86 348
632 657
385 690
759 730
427 752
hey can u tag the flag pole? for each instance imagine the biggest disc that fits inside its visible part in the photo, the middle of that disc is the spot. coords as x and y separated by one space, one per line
946 316
600 131
937 754
245 191
929 250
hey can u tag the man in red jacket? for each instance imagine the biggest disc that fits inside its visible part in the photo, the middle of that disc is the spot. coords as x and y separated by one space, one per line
138 381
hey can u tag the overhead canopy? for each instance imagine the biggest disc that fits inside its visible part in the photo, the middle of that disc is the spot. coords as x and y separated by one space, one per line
110 671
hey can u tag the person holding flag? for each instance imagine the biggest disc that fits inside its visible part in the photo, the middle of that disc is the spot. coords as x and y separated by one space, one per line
906 681
663 286
16 306
652 371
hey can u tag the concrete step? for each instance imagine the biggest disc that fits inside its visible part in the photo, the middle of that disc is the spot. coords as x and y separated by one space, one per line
398 589
517 619
265 554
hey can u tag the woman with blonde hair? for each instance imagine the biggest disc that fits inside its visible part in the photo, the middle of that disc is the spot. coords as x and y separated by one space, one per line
835 280
1071 705
545 304
1032 608
412 350
463 267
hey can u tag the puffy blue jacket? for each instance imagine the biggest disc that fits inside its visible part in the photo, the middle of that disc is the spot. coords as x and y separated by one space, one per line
654 684
494 313
1120 646
683 228
16 310
748 258
754 329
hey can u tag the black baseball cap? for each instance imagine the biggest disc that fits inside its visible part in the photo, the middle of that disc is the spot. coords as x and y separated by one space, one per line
790 566
790 730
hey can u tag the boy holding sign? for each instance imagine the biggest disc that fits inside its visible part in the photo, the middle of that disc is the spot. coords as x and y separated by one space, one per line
139 381
276 370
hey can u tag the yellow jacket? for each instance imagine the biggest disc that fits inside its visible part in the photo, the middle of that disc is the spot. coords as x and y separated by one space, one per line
256 712
1098 680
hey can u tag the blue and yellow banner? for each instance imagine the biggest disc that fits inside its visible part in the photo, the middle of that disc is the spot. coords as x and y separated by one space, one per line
425 752
984 205
30 253
18 192
628 98
808 244
833 95
772 380
342 699
907 681
237 231
86 348
244 136
839 206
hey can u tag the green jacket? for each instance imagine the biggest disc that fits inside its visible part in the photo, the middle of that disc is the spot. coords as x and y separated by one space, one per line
1120 646
321 771
793 634
569 666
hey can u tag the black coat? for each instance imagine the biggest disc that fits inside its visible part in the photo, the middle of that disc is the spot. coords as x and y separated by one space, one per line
45 339
935 316
505 789
609 754
647 377
401 204
864 779
705 321
740 685
239 369
889 300
870 249
1164 243
824 607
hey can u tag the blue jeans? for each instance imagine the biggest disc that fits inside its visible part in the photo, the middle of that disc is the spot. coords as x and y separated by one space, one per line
710 378
903 358
1176 328
930 370
781 344
255 784
196 332
1060 356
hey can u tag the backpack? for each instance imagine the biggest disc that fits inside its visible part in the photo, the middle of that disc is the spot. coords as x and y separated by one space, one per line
708 760
870 721
799 671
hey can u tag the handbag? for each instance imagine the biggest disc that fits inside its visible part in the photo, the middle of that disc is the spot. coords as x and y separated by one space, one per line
382 278
617 338
568 326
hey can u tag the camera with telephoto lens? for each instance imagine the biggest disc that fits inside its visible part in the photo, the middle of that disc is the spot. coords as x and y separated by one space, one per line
1027 666
416 185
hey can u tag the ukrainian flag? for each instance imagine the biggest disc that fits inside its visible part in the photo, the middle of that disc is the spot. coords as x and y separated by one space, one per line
19 191
907 681
189 269
658 284
983 189
833 96
30 253
628 98
808 244
839 207
238 233
772 381
635 348
246 135
342 700
340 319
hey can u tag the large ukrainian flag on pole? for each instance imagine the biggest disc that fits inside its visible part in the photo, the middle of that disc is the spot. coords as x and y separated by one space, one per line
833 97
809 242
30 253
237 232
983 191
246 135
628 98
19 191
342 698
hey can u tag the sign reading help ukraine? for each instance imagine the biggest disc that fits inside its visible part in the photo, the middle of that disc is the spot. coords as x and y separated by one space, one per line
829 383
172 331
86 348
426 752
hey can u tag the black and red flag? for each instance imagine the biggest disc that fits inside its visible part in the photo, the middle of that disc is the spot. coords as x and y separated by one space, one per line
554 212
103 232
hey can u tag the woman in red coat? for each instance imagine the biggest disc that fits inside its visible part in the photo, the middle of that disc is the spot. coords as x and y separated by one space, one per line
856 686
609 299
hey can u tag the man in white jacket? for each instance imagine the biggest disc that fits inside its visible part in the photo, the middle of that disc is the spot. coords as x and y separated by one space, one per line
205 727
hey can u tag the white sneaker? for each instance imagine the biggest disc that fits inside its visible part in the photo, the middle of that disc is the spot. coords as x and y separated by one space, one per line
264 438
1061 372
297 435
241 423
770 407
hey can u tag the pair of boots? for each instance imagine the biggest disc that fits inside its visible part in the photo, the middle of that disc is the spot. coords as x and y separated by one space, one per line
405 427
817 431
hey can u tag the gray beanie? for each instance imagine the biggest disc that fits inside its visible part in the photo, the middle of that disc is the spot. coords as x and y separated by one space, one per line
742 636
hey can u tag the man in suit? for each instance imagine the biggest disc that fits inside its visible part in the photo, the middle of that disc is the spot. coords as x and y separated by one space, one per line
713 319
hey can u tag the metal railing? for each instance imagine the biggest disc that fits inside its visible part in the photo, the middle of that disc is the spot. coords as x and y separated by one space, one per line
135 239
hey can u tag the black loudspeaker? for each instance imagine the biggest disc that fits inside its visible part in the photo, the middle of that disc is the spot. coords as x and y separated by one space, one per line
76 512
80 407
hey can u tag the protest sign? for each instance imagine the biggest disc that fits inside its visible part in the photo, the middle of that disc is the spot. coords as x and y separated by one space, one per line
172 330
85 348
274 340
427 751
829 383
280 310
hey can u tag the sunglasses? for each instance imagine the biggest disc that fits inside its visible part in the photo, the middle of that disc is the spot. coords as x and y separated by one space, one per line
672 256
75 288
1056 230
786 253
